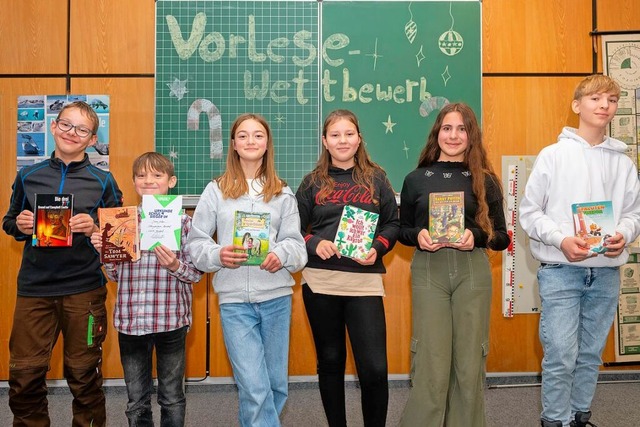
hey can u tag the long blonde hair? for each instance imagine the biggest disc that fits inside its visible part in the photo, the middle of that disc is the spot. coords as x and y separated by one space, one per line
475 159
363 172
233 183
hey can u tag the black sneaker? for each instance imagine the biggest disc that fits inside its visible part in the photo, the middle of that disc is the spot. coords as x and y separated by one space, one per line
546 423
582 420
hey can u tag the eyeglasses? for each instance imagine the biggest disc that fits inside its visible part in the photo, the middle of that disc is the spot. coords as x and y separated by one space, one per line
81 131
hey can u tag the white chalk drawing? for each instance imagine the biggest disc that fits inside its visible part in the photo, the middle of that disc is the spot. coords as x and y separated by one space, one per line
435 103
215 124
375 55
420 56
388 125
410 28
450 42
178 88
406 149
280 119
173 154
445 75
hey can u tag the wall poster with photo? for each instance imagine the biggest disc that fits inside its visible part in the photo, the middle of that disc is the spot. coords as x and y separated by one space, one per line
34 139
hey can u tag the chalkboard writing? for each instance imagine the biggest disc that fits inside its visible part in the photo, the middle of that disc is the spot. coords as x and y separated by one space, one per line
393 63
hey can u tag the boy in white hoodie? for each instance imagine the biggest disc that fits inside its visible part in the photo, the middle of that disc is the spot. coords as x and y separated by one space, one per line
579 288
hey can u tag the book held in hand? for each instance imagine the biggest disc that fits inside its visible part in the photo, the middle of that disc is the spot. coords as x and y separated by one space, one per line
446 216
356 231
594 223
161 221
52 213
120 234
251 231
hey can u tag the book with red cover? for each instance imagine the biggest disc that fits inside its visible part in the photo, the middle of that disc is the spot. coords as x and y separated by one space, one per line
52 213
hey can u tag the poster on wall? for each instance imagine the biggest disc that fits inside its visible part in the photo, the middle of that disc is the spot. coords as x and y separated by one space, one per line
621 61
34 139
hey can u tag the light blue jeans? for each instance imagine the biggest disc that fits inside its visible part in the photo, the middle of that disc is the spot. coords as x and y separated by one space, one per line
578 307
257 339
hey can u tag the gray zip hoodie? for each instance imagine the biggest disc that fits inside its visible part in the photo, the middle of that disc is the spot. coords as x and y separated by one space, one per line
247 284
572 171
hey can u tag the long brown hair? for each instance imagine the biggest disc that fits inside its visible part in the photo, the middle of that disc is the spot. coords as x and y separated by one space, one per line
475 159
363 172
233 183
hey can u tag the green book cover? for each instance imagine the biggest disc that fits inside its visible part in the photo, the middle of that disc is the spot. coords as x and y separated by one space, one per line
251 231
356 232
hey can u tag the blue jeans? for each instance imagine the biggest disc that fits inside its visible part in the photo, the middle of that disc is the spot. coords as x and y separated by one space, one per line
257 339
578 308
136 357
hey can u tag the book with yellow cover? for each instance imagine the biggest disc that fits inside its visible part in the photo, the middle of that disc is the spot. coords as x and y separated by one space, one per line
120 234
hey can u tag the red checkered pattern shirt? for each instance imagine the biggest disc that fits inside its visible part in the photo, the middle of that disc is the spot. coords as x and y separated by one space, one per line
152 299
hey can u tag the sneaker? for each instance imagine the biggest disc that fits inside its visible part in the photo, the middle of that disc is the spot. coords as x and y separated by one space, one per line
582 420
546 423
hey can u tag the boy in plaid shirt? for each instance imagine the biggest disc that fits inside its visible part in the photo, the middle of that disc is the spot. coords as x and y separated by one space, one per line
153 309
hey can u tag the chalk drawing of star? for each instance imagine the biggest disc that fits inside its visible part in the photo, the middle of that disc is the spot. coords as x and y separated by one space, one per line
445 75
178 88
173 154
420 56
280 119
406 149
388 125
375 55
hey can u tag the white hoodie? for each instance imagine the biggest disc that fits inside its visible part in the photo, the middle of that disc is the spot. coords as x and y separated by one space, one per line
572 171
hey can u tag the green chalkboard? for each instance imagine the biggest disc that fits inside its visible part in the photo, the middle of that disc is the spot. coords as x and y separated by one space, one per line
393 63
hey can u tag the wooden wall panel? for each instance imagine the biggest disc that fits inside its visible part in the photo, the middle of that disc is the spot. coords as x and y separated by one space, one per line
618 15
536 36
112 36
610 19
33 37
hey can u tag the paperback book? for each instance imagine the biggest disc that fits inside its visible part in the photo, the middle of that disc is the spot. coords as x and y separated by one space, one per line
356 231
161 221
120 234
251 231
52 213
594 223
446 216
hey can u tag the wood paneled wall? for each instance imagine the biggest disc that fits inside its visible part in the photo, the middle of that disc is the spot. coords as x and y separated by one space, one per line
533 55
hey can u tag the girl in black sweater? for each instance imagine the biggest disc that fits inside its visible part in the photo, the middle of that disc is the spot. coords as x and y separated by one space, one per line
341 293
451 281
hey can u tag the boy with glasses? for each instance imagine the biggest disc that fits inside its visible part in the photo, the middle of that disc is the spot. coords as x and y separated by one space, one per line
60 289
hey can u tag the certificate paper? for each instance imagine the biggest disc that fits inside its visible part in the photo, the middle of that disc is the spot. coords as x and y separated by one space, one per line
161 221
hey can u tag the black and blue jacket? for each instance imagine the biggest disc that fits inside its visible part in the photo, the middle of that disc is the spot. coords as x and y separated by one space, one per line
56 271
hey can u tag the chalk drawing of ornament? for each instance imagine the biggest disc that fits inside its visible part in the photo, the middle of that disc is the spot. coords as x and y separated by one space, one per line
450 42
435 103
410 28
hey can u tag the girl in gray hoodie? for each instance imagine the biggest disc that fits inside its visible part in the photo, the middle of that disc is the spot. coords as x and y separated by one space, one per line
253 287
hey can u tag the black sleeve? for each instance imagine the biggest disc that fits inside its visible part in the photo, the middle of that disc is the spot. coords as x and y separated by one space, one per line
501 239
17 204
408 230
388 223
304 196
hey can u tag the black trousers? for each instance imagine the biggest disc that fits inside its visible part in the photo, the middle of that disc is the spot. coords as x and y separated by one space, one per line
330 316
